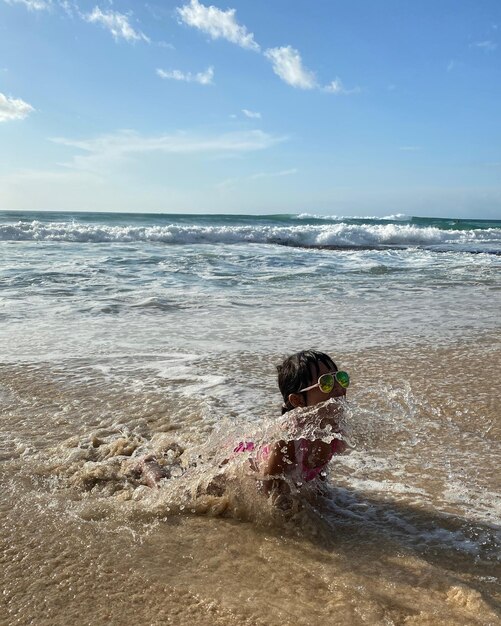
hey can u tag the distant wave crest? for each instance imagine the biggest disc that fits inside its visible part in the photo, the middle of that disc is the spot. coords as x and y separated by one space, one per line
317 235
398 217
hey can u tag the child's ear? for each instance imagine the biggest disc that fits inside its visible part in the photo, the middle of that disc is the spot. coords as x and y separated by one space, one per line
296 399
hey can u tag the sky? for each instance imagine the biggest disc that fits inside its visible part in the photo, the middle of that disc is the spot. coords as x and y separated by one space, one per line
328 107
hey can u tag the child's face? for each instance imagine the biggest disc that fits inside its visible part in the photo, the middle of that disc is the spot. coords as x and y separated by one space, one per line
315 395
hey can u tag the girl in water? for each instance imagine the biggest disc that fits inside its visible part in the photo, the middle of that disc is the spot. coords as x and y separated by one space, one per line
305 379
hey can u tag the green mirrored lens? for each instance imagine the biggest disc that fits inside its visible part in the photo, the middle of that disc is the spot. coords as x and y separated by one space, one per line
326 383
343 379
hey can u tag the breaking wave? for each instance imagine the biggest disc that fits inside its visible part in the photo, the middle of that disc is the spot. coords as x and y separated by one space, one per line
337 235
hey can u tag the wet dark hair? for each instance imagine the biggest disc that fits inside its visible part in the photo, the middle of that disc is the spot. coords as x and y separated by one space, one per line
295 373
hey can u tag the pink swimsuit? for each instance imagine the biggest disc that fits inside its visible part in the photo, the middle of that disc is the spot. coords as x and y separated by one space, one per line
301 449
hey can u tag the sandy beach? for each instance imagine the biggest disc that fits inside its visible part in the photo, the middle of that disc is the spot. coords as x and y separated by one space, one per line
405 532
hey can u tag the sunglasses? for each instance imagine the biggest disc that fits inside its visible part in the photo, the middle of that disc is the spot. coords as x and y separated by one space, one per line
326 382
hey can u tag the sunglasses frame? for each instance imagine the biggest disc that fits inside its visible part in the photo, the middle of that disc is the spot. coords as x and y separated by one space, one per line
317 384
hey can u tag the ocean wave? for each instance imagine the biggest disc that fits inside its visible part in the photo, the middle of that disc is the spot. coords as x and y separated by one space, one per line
343 235
397 217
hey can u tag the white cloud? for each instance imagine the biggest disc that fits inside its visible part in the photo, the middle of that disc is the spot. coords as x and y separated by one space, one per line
117 23
286 60
450 66
253 115
32 5
337 87
69 8
273 174
13 108
203 78
410 148
288 65
103 151
488 46
217 24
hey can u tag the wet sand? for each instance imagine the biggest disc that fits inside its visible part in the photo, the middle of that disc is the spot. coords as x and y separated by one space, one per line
407 531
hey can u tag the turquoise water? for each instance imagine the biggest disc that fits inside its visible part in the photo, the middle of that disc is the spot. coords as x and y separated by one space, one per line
294 230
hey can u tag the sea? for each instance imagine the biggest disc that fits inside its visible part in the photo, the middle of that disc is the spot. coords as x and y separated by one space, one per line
124 335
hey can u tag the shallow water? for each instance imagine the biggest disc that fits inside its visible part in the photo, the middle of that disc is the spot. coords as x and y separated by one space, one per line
407 529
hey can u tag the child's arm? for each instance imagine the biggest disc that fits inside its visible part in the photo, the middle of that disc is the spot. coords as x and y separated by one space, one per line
281 456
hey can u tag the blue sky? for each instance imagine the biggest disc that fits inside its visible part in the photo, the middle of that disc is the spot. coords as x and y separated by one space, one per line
337 107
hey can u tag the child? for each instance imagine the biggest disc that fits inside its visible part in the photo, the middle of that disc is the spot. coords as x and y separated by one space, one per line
305 379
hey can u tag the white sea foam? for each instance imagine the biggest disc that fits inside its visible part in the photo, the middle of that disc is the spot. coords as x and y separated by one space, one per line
400 217
339 234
